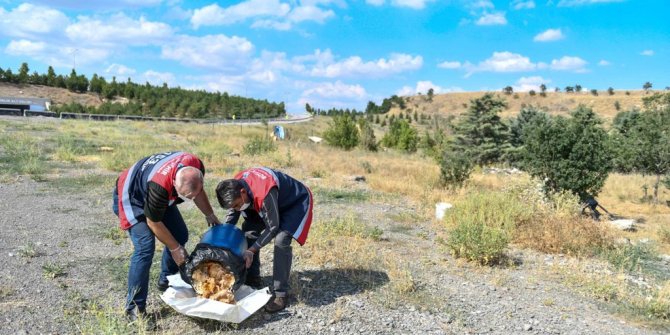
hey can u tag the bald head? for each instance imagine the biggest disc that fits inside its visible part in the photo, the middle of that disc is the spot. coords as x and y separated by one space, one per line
188 182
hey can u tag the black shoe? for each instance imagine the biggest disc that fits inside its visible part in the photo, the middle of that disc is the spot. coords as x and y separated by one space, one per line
254 281
162 286
277 304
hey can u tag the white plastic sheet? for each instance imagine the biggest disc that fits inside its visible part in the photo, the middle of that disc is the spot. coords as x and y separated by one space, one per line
184 300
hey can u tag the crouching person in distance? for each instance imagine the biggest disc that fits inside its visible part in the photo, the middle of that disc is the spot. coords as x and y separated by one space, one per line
145 200
274 205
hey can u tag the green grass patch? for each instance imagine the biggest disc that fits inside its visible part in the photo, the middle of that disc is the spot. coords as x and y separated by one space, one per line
629 257
85 183
349 226
53 270
481 226
28 251
115 234
23 155
330 194
259 145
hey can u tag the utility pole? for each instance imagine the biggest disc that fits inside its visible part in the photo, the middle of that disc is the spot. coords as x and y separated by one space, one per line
74 59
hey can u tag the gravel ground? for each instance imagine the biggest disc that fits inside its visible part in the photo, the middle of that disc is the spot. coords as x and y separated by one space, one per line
43 228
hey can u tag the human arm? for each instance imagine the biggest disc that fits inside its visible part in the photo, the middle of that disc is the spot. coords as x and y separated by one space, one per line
154 209
202 202
270 215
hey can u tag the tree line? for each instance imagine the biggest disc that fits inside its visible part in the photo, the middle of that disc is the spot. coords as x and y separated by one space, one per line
574 153
147 99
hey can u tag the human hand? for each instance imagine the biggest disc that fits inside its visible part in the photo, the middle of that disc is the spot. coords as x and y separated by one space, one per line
179 255
248 257
212 220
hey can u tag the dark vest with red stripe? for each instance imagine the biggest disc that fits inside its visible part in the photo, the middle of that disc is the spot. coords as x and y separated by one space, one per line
294 198
159 168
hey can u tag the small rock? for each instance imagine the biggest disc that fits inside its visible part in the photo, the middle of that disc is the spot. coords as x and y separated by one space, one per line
359 178
527 327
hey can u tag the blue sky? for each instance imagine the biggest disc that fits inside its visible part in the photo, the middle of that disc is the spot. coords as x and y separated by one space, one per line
343 53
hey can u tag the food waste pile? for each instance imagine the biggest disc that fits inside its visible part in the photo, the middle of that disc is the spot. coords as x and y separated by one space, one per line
212 280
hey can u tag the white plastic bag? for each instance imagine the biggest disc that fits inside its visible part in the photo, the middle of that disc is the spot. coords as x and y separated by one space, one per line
181 296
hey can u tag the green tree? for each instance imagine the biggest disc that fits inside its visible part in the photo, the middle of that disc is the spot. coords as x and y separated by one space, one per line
594 92
51 77
647 86
610 91
578 88
481 132
508 90
342 132
430 94
649 139
368 139
401 136
24 72
517 127
568 153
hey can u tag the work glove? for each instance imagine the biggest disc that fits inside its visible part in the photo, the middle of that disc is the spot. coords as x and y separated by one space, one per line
179 255
248 257
212 220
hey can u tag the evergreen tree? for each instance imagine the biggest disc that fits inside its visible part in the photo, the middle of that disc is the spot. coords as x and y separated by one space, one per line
481 132
51 77
24 73
568 153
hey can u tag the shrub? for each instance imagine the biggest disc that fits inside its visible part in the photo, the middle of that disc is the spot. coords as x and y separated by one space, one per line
455 168
401 136
481 226
259 145
342 132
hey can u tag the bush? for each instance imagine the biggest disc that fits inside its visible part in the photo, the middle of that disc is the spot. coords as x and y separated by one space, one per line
455 168
401 136
342 132
259 145
569 154
481 226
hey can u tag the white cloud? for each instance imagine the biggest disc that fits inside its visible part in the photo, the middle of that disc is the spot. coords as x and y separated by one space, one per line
213 15
30 21
272 24
336 90
525 84
504 61
355 66
414 4
490 19
118 29
120 70
309 13
549 35
480 4
211 51
449 65
647 52
25 47
604 63
158 78
423 87
568 63
574 3
522 4
56 55
329 94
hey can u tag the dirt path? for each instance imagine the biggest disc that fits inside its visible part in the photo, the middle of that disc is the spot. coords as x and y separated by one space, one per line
45 229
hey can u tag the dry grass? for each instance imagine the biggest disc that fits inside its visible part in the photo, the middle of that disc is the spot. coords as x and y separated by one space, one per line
556 103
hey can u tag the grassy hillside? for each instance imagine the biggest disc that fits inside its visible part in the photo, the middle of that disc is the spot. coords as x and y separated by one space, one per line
555 103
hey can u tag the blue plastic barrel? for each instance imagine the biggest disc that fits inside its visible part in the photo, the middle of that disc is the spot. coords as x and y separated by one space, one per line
225 236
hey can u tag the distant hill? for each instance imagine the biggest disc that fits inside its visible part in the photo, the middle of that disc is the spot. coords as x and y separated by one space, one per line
555 103
57 95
